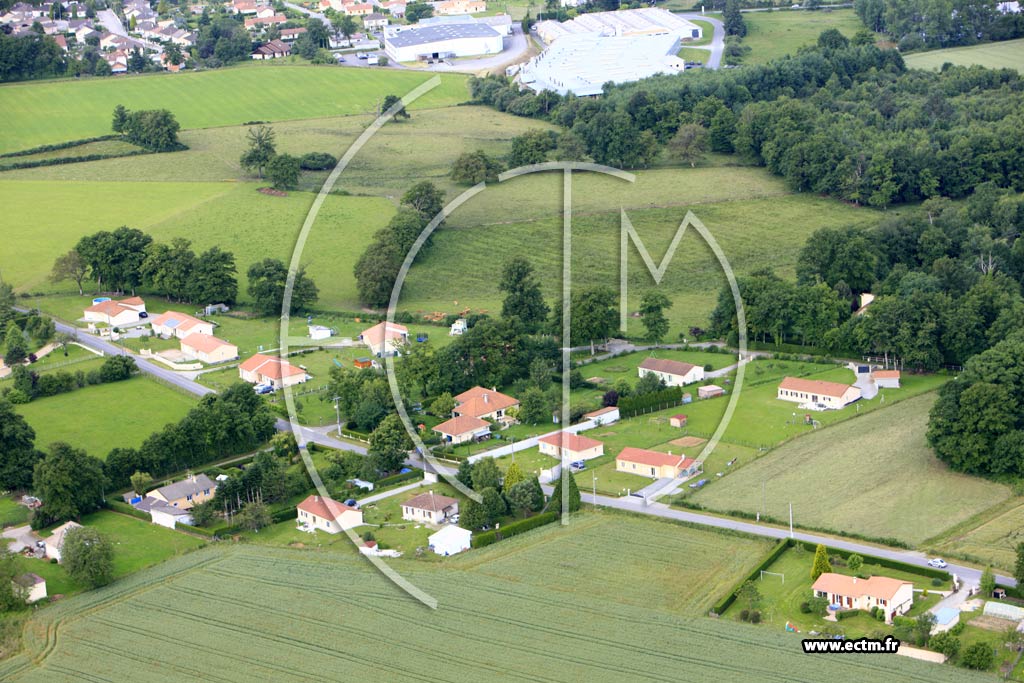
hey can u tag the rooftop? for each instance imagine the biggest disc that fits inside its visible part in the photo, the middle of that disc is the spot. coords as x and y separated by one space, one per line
323 507
461 425
671 367
875 587
572 442
270 366
814 386
653 458
430 501
436 33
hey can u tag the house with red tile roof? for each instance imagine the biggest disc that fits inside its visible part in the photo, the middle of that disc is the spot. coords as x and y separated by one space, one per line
893 596
886 379
271 370
570 446
326 514
463 429
429 507
655 464
485 404
385 339
180 325
115 313
673 372
819 393
208 349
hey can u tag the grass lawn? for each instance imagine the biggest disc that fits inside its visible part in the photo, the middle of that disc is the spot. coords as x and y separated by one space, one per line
531 461
54 111
1008 54
77 152
12 513
694 54
603 477
771 35
874 475
781 597
102 417
384 519
77 358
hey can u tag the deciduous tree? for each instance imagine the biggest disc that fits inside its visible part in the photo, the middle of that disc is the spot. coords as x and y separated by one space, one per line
88 557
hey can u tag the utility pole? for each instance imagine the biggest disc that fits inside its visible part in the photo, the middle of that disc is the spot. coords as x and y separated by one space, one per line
337 410
791 520
595 487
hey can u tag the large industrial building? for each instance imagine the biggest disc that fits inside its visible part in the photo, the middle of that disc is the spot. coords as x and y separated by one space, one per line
440 41
601 47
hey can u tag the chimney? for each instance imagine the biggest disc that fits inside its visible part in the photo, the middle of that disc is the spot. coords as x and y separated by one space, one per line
485 398
855 579
316 499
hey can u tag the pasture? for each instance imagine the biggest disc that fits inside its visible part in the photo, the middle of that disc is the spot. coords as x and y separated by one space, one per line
988 538
874 475
290 615
101 417
771 35
54 111
1008 54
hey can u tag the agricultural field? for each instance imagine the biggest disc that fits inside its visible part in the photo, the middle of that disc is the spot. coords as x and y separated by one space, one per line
55 111
77 152
1007 54
771 35
105 416
874 475
988 538
306 612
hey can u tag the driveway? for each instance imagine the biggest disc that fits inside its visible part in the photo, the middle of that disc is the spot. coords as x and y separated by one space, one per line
20 537
717 46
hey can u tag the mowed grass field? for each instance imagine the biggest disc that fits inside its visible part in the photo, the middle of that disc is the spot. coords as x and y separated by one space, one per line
989 538
873 475
99 418
771 35
242 613
53 111
1007 54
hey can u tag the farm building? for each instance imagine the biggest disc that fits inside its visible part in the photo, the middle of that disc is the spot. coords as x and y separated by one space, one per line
635 22
208 349
886 379
439 41
485 404
115 313
33 585
190 491
570 446
604 416
55 541
892 595
385 339
462 429
673 372
429 507
654 464
450 540
271 370
831 395
162 513
180 325
327 514
678 421
709 391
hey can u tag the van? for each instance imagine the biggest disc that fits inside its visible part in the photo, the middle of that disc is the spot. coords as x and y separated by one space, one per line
373 60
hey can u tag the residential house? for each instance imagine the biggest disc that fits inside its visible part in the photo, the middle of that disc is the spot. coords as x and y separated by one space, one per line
385 339
886 379
208 349
678 421
450 7
654 464
62 42
463 429
485 404
430 507
893 596
327 514
83 32
180 325
55 541
707 391
164 514
190 491
450 540
118 61
166 63
264 12
271 370
290 34
830 395
603 416
375 21
272 50
259 23
571 447
358 9
33 585
673 372
395 7
116 313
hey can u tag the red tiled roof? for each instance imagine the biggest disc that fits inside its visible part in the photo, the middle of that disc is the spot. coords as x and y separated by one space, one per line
814 386
271 366
886 374
602 411
375 335
572 442
653 458
672 367
205 343
875 587
324 508
430 501
479 401
184 320
462 424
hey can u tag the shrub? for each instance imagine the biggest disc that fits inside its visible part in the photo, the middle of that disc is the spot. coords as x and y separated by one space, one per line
755 617
805 607
937 582
847 613
512 529
978 656
317 161
744 615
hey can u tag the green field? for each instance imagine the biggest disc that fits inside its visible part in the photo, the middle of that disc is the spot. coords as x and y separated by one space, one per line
99 418
240 613
77 152
874 475
54 111
990 538
1003 55
771 35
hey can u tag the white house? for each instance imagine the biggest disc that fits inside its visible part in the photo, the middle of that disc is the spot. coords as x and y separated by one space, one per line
886 379
385 339
830 395
604 416
429 507
893 596
327 514
463 429
33 585
375 21
208 349
278 373
55 542
673 372
570 446
115 313
164 514
450 540
180 325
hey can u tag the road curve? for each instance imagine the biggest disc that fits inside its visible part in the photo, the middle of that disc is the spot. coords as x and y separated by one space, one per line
717 46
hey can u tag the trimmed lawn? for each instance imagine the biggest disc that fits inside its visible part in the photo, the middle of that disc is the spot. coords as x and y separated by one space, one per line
771 35
531 461
12 513
384 519
1008 54
608 481
101 417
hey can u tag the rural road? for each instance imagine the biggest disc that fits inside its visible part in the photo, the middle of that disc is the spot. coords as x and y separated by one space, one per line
717 46
308 12
111 22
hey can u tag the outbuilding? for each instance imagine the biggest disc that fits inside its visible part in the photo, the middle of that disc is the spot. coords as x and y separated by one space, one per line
886 379
450 540
441 41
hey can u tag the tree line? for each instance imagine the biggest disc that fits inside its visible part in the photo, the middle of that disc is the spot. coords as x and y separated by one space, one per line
916 24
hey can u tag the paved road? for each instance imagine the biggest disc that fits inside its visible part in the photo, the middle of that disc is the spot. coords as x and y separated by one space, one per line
308 12
111 22
717 46
513 50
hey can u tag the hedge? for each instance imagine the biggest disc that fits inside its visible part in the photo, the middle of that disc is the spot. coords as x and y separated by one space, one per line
71 160
847 613
413 473
723 604
125 508
195 530
890 564
631 406
513 529
59 145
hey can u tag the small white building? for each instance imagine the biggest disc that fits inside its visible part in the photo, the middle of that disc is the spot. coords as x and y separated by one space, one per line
450 540
673 372
458 328
55 542
604 416
164 514
33 585
886 379
317 332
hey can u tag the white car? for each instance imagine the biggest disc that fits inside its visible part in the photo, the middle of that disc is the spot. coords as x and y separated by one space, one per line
938 563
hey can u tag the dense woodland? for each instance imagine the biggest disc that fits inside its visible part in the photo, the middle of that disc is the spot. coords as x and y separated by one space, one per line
939 23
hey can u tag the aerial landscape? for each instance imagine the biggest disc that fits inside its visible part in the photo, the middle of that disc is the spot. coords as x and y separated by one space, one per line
460 340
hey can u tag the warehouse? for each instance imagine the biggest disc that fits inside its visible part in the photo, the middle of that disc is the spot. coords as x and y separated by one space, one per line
442 41
647 21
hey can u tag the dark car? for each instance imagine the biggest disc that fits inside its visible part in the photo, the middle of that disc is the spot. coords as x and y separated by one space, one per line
352 503
143 314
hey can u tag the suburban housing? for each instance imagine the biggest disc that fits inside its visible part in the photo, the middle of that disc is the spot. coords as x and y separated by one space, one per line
327 514
180 325
462 429
385 339
207 348
55 542
429 507
654 464
192 490
263 369
673 372
484 404
571 446
114 313
831 395
894 596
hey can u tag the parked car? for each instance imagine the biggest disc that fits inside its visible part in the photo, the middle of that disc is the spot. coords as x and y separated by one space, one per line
340 58
143 314
938 563
361 55
352 503
454 519
263 389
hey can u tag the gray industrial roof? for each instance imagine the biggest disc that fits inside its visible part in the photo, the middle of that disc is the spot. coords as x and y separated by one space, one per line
436 34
